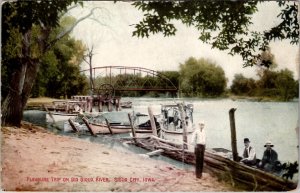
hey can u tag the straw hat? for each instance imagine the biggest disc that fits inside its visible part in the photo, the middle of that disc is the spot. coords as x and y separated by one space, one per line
201 124
269 143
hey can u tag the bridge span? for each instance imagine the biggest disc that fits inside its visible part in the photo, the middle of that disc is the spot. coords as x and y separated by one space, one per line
126 78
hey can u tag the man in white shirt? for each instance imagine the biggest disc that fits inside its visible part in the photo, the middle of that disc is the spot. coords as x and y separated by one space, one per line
198 136
249 155
198 140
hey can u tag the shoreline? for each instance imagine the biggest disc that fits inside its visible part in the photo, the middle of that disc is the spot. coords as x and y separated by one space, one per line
34 159
40 101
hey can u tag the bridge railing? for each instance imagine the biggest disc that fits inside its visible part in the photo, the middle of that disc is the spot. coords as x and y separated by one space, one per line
115 76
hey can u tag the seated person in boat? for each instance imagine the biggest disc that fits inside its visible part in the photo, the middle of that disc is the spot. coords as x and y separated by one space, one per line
270 158
249 155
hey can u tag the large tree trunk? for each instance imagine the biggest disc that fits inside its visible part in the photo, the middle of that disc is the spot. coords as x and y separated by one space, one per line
22 81
11 113
20 87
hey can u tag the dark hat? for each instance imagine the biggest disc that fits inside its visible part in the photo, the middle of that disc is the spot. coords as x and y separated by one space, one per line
246 140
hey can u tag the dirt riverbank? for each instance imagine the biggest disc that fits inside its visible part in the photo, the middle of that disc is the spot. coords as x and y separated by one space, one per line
34 159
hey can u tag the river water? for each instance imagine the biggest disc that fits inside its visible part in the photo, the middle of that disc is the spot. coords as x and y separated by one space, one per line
258 121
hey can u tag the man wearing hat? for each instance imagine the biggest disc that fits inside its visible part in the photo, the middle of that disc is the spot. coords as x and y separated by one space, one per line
270 157
199 139
249 155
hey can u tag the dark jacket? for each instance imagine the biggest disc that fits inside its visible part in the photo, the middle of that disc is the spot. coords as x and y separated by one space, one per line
270 156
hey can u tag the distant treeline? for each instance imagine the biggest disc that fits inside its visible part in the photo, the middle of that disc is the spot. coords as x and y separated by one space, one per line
276 84
203 78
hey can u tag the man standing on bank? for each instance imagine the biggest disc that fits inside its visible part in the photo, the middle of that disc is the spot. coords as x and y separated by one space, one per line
249 155
199 143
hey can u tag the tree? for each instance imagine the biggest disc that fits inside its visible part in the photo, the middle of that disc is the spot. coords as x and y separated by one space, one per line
279 85
286 85
26 37
89 61
59 73
222 24
173 76
242 85
202 78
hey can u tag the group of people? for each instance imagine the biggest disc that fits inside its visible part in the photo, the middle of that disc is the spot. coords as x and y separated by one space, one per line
268 161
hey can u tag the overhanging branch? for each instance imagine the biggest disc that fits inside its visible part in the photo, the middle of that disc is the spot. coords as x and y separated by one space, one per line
70 29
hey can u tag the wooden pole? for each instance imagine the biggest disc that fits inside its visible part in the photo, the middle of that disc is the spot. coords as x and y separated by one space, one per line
152 121
89 127
183 122
109 106
73 126
108 126
199 156
67 107
100 104
233 134
90 104
51 116
85 105
118 104
155 152
132 128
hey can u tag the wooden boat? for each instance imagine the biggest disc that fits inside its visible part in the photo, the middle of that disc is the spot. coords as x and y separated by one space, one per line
106 123
106 129
172 124
219 163
62 110
59 116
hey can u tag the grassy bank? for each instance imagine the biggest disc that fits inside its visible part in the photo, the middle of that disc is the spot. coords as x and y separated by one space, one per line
40 101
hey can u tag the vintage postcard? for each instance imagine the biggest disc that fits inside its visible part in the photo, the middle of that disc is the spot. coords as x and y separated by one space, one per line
149 96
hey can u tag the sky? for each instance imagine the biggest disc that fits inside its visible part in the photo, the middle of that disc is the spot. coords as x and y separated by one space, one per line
114 44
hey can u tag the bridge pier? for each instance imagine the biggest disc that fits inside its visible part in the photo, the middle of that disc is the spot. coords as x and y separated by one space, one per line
118 104
102 103
100 106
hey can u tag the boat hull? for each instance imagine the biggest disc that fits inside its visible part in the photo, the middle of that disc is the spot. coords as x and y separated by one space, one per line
103 129
59 116
176 137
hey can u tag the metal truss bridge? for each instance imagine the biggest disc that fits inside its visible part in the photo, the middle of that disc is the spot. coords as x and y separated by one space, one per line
124 78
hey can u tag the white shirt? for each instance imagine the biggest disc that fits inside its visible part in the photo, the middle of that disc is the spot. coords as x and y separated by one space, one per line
251 153
198 137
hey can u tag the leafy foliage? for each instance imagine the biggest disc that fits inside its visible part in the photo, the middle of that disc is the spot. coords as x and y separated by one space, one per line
242 85
24 15
222 24
59 75
202 78
30 23
272 83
